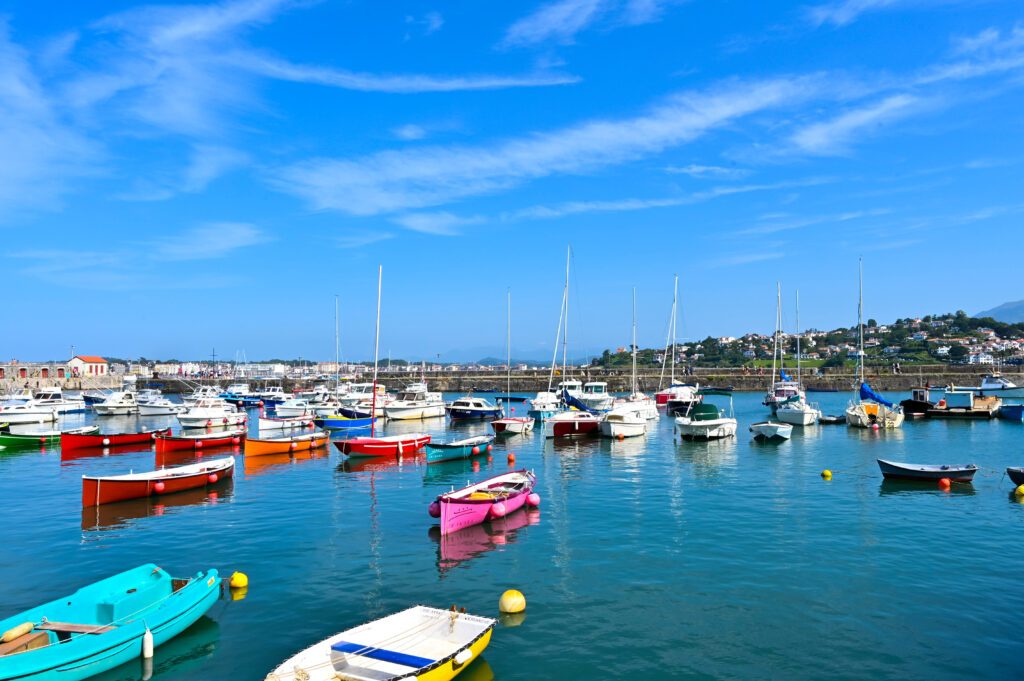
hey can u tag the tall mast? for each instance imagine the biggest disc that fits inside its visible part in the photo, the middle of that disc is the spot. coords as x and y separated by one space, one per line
558 336
508 344
782 345
675 317
565 338
376 349
670 338
798 334
337 350
775 345
860 320
635 391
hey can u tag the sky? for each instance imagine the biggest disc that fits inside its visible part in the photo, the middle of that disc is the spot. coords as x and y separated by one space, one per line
179 178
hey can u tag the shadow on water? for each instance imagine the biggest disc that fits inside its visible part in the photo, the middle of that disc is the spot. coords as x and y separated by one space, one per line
378 463
182 654
459 548
904 487
124 513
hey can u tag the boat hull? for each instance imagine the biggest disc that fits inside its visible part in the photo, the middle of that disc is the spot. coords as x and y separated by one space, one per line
340 422
578 425
798 417
512 426
712 429
772 431
255 447
457 414
386 446
1012 412
286 423
1016 475
461 512
170 443
211 421
414 413
80 441
910 471
870 414
463 449
107 490
618 429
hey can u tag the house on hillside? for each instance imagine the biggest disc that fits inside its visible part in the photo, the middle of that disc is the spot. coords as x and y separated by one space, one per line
88 365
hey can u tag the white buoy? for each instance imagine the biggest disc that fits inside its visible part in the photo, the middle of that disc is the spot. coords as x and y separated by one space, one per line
147 644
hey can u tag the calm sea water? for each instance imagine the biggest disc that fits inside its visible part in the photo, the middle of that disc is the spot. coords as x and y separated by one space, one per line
649 557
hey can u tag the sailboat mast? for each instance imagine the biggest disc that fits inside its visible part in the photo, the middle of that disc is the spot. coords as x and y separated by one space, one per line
565 338
798 333
675 316
635 391
376 349
337 350
860 320
775 345
508 345
558 337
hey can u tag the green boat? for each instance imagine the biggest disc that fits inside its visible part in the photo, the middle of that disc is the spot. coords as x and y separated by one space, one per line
103 625
41 438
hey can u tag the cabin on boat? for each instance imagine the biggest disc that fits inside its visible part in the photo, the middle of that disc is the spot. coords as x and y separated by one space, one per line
88 365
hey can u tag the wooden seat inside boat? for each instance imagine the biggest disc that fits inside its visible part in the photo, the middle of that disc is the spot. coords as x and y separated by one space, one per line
71 628
30 641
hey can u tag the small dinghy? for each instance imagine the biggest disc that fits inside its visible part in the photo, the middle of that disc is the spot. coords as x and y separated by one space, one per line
418 643
831 420
769 430
284 423
171 443
97 490
458 449
493 498
69 440
917 471
389 445
285 445
40 438
1016 475
342 422
103 625
512 425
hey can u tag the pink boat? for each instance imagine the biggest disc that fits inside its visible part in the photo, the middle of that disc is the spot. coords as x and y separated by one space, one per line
493 498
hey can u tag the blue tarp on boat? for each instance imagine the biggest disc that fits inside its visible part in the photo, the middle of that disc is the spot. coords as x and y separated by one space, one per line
784 375
571 401
866 393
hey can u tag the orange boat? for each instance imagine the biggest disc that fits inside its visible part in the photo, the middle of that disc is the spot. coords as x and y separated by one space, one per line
285 445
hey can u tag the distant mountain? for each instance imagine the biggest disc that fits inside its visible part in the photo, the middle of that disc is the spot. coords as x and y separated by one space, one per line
1008 313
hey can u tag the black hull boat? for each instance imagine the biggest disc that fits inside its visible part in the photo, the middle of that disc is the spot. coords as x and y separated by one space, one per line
924 472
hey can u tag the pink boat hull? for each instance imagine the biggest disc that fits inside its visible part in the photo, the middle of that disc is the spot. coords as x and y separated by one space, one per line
457 514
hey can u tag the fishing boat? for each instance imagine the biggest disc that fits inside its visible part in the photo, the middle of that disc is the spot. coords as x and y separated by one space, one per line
293 406
769 430
623 421
919 403
470 408
458 449
492 498
161 406
272 395
916 471
285 445
871 410
202 392
389 445
69 441
706 421
543 405
363 392
682 398
415 403
288 422
964 404
571 423
207 413
97 490
170 443
1016 475
39 438
55 397
831 420
512 425
596 396
419 643
27 412
996 386
118 403
342 422
103 625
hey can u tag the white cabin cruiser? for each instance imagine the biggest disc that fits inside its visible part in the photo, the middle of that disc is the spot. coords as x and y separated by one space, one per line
624 421
27 412
161 406
415 403
797 412
596 396
208 413
995 385
118 403
55 397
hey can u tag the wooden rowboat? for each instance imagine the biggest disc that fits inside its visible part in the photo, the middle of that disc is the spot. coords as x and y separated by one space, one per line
419 643
98 490
102 626
285 445
169 443
284 423
916 471
70 440
390 445
493 498
458 449
41 438
342 422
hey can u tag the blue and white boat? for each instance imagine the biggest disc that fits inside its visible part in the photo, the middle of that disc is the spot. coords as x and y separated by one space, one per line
342 422
1012 412
103 625
458 449
469 407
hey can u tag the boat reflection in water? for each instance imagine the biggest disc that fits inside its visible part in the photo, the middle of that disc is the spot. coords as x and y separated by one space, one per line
460 547
93 452
123 513
380 463
902 487
258 465
188 456
478 671
184 655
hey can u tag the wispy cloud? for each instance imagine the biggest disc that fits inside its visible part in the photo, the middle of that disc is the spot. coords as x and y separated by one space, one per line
118 270
209 240
835 135
207 163
360 239
441 223
392 181
746 258
773 224
409 132
717 172
429 23
843 12
558 21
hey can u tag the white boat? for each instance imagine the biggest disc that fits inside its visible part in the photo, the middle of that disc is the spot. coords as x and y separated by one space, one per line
325 405
995 385
207 413
415 403
273 394
361 392
238 390
295 406
571 423
55 397
706 421
160 406
27 412
118 403
783 387
868 409
795 410
681 398
418 643
623 421
285 423
770 430
202 392
596 396
543 405
472 408
512 425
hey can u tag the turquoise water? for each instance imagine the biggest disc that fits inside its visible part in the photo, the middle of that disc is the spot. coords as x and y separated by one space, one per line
649 557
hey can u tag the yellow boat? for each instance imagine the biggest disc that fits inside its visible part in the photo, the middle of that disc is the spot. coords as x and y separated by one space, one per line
285 445
419 643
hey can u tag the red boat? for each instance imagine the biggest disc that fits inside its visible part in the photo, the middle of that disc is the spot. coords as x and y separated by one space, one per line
170 443
391 445
76 441
108 489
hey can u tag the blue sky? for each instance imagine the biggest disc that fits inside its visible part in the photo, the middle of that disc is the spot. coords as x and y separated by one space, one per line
179 177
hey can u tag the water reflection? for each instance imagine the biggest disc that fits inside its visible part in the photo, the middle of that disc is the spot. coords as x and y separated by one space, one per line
710 455
472 542
478 671
259 465
123 513
183 655
904 487
93 452
184 457
379 463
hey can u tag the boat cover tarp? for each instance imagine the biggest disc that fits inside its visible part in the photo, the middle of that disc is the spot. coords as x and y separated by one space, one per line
866 393
784 376
571 401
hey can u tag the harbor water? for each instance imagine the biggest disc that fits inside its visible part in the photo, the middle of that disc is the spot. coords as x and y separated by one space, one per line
648 558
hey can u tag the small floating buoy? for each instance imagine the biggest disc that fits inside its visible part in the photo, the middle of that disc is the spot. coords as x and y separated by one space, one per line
212 478
434 509
826 474
238 580
512 601
620 436
944 483
475 451
533 499
106 441
159 487
511 457
147 644
874 426
1019 491
490 448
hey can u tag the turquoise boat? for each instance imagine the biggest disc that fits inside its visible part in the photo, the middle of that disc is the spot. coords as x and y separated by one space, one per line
458 449
102 626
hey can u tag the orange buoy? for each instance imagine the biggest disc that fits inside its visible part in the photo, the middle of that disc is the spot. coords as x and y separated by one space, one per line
511 457
944 483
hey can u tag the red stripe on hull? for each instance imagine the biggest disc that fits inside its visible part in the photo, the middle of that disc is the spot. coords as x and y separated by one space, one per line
366 446
97 491
571 428
73 441
170 444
